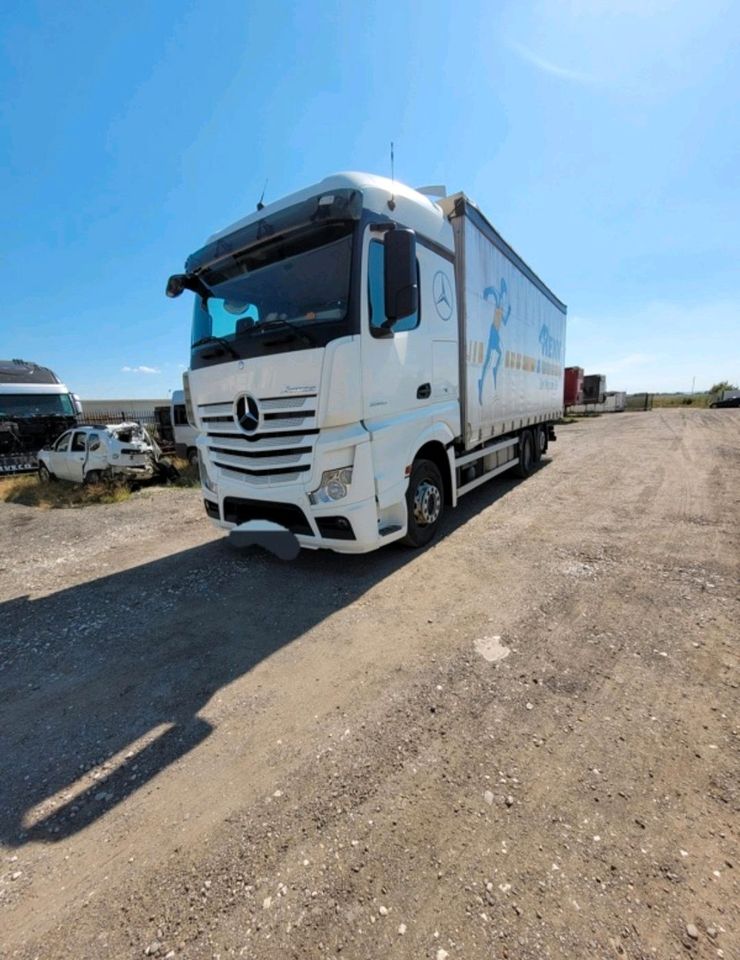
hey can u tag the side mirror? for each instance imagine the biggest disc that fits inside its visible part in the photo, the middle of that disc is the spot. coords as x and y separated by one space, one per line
401 281
176 284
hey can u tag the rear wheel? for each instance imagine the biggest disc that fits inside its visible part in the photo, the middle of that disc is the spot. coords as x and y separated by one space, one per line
540 442
425 503
93 476
526 454
45 476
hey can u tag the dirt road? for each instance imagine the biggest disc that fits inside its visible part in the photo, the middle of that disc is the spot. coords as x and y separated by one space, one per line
520 743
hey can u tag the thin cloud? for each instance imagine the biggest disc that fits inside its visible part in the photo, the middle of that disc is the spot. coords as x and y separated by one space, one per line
547 67
140 369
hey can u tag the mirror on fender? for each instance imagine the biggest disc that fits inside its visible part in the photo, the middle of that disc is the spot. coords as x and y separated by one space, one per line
401 280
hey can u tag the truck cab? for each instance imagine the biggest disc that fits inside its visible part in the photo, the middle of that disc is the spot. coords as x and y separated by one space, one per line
35 408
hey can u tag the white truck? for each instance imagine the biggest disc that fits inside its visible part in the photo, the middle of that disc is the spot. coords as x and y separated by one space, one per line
35 407
363 356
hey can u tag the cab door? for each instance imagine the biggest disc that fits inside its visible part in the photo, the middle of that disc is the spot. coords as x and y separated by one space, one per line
397 358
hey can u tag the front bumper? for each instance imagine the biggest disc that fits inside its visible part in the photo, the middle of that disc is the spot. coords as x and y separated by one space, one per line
342 527
352 524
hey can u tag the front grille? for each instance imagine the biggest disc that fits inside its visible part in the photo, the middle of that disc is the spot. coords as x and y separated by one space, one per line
288 515
279 451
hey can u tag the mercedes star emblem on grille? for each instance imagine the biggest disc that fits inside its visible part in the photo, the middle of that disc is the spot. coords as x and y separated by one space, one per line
247 413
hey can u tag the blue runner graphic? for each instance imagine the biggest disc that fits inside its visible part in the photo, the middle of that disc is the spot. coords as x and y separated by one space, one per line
501 315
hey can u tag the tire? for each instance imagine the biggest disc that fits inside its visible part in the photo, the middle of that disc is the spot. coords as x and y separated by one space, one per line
546 434
526 454
425 503
193 457
167 471
93 476
45 475
540 441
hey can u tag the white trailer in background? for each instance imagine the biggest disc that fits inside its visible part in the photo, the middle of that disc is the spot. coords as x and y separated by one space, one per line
363 356
184 435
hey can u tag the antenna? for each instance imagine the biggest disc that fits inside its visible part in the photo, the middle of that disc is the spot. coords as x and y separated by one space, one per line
260 204
392 201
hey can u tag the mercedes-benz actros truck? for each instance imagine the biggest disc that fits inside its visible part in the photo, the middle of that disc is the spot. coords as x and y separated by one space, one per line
362 356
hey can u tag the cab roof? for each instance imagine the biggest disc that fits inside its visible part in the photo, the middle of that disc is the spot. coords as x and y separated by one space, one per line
412 208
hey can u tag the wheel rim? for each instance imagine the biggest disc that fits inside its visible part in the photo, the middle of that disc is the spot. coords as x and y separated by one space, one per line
427 503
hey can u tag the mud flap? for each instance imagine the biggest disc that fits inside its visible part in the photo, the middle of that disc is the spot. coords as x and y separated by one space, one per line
264 533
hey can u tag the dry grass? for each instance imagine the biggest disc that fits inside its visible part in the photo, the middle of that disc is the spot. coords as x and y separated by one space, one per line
29 491
681 399
61 494
189 476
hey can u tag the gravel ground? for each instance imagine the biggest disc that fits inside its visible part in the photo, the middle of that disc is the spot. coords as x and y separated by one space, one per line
520 743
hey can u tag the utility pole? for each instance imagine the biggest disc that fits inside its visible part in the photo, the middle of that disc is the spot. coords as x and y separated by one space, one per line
693 381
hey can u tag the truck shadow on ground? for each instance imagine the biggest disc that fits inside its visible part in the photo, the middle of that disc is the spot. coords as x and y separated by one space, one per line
97 671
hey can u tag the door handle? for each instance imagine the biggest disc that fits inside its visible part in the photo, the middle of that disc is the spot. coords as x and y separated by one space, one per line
424 391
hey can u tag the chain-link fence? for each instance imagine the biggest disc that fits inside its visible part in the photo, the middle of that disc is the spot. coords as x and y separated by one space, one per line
156 421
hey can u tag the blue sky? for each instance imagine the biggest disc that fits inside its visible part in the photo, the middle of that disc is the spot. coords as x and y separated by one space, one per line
602 139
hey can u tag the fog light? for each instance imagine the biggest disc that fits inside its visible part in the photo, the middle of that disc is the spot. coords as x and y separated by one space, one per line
333 486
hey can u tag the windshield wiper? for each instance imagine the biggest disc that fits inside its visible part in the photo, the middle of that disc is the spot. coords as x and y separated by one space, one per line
220 340
279 321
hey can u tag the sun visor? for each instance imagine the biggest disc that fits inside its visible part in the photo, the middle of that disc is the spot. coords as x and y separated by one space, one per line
333 205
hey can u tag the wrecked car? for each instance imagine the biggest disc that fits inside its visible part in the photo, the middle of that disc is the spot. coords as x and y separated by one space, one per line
91 454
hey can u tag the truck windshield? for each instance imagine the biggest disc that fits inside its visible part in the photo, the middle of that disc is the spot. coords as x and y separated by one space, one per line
289 293
20 405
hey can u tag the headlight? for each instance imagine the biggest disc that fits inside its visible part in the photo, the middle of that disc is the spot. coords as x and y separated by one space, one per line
204 477
333 486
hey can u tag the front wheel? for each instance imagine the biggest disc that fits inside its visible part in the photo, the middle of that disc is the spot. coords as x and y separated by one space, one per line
193 457
424 502
45 476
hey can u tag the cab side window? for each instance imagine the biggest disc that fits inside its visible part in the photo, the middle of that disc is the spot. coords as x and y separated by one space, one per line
376 294
78 444
62 444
